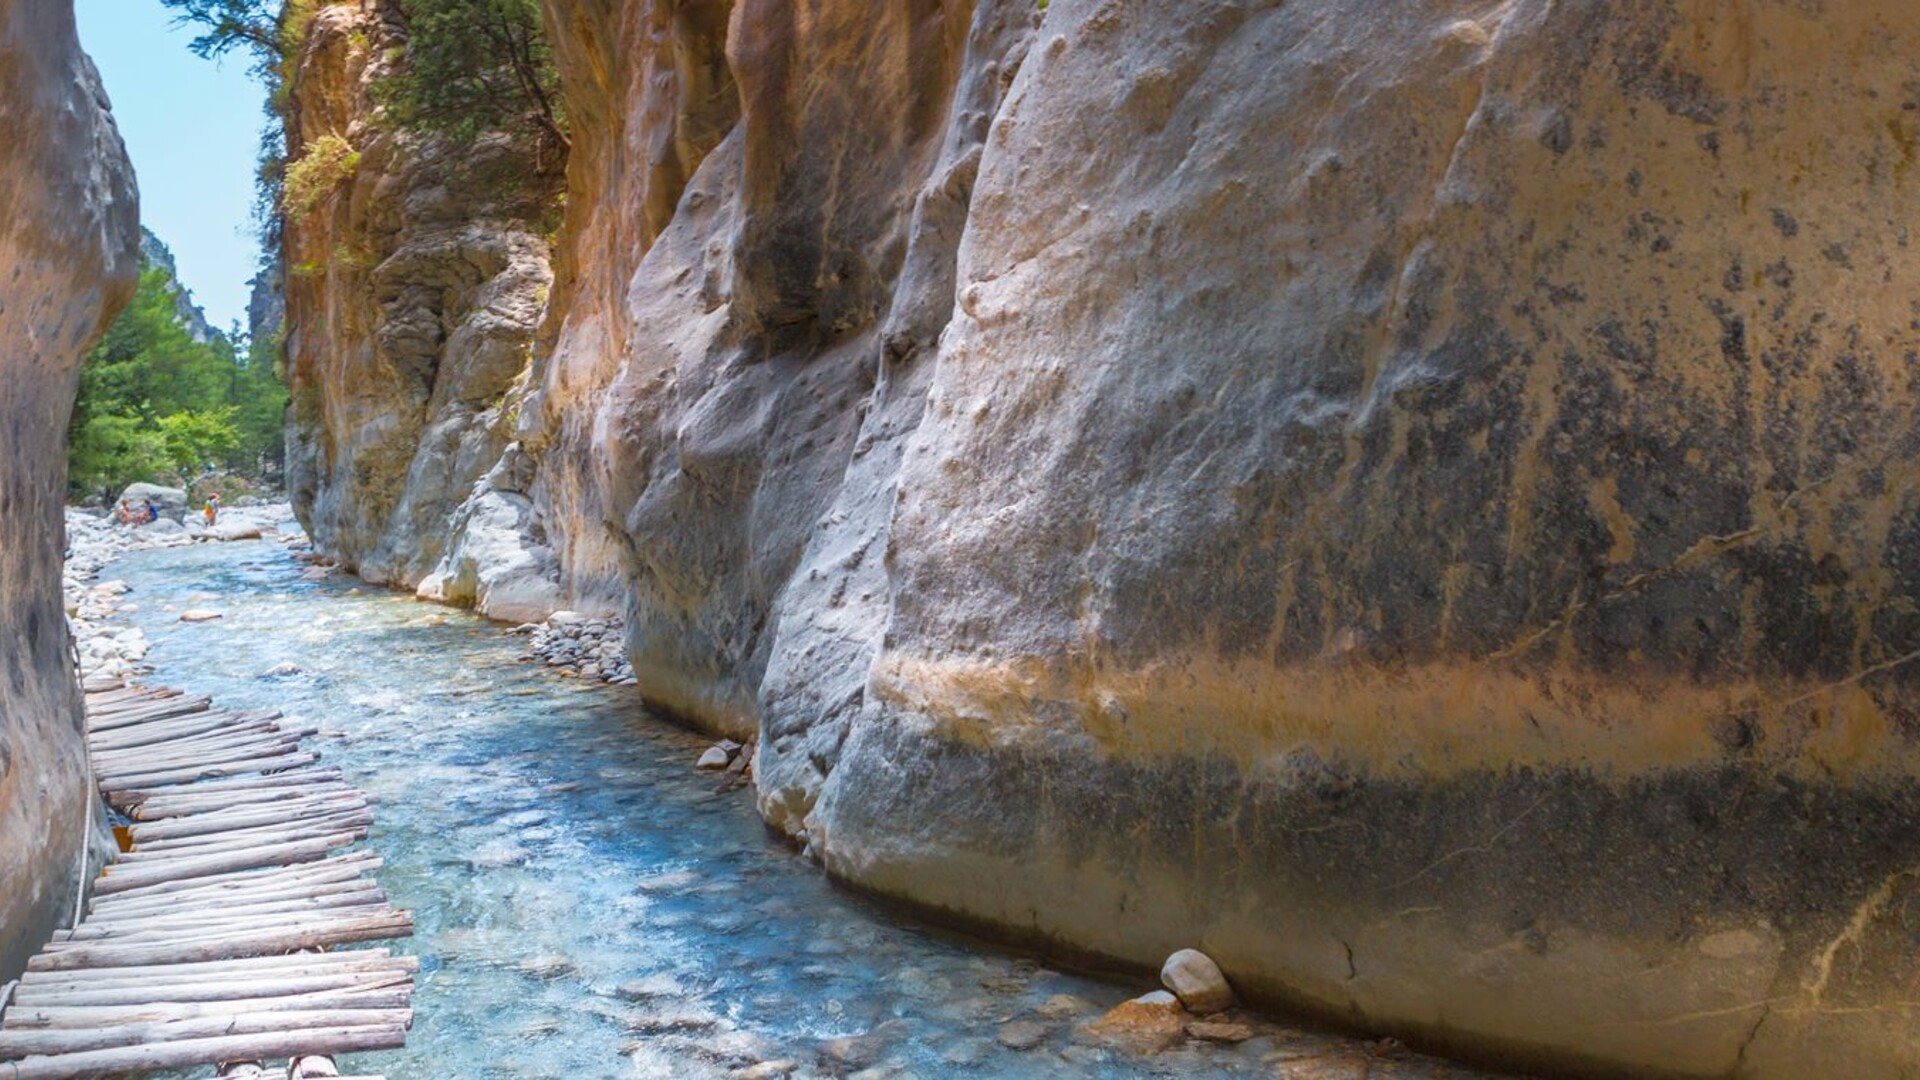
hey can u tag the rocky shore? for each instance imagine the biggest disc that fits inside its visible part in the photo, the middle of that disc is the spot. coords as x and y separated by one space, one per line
107 648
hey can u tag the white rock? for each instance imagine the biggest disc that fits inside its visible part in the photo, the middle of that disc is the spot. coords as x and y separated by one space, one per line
714 758
199 615
1198 981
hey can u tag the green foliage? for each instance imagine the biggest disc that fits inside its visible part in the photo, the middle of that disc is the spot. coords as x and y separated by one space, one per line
479 66
198 438
157 405
330 161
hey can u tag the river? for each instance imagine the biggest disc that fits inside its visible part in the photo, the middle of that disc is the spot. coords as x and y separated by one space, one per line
587 905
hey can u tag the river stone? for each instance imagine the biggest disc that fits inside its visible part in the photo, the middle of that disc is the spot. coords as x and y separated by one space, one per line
714 758
1147 1024
69 246
199 615
1212 1031
1022 1035
1197 981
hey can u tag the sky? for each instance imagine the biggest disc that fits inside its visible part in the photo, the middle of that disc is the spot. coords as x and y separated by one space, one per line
192 127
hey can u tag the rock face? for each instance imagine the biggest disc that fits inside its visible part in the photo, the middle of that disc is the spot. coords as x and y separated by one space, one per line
413 293
1415 499
69 246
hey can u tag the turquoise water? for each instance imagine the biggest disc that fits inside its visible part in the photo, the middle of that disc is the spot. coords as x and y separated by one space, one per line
587 905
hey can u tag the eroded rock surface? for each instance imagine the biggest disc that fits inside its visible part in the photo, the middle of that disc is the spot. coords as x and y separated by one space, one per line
415 286
1416 500
69 257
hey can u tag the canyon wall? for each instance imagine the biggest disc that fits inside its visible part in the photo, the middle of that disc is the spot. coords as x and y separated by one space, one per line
69 258
416 281
1414 499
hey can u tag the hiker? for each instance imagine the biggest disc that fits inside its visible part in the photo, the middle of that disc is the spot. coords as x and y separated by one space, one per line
125 513
213 510
153 511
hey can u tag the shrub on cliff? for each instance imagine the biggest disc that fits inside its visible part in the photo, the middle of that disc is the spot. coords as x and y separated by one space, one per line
328 162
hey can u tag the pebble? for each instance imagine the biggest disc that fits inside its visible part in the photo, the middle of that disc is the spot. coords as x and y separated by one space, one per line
714 758
580 647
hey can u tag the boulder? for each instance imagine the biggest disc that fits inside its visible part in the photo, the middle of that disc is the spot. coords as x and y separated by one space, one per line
172 501
1197 981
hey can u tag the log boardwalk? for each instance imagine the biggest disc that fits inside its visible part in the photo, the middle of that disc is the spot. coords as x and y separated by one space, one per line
203 943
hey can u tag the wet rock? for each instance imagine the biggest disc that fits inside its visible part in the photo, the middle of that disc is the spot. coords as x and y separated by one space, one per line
284 670
1145 1025
1064 1007
498 855
548 966
766 1070
198 615
1022 1035
714 758
1213 1031
1197 981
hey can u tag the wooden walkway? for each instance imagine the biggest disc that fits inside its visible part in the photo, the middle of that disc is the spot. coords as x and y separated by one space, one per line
214 938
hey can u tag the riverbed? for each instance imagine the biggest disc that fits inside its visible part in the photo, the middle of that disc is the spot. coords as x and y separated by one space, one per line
587 904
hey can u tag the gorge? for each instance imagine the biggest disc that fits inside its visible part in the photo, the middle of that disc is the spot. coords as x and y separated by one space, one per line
1415 500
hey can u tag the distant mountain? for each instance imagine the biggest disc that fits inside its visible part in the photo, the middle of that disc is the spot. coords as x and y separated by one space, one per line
267 306
154 252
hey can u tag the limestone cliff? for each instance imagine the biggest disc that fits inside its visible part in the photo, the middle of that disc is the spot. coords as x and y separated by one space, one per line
1414 499
69 258
415 284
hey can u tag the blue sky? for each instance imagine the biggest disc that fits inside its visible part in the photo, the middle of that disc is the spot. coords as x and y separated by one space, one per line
192 128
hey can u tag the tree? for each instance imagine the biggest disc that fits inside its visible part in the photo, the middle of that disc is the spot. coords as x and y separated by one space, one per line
156 404
232 24
479 66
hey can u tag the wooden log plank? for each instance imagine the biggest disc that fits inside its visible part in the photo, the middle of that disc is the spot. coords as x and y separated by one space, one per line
188 775
211 928
252 943
111 703
114 720
356 823
192 764
125 878
344 959
264 985
303 783
50 1041
209 789
392 996
198 734
183 728
195 847
252 884
246 818
270 888
191 925
354 892
189 1052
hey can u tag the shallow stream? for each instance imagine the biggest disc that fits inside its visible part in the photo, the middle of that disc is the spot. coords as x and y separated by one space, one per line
587 905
